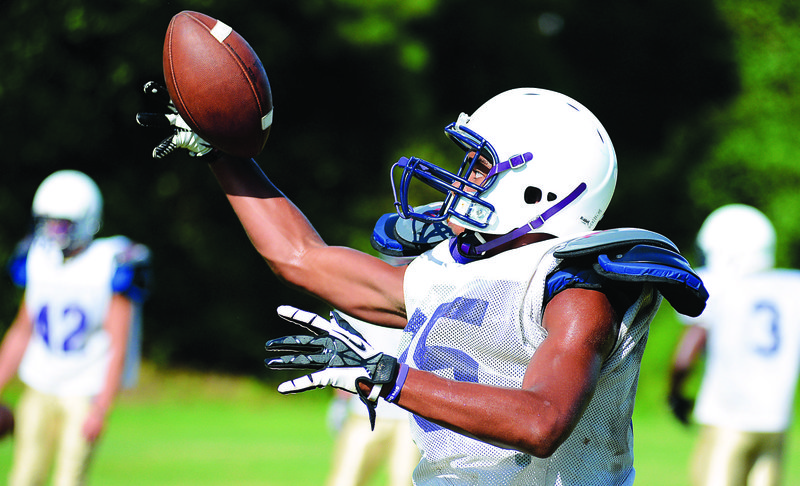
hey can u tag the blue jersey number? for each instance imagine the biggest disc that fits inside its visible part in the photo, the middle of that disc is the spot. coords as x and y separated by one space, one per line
433 358
767 328
75 326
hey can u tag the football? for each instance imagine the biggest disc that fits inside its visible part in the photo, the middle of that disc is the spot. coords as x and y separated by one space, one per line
6 421
217 83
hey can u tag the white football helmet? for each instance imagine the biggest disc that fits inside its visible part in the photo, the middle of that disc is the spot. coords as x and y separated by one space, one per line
554 168
68 209
737 239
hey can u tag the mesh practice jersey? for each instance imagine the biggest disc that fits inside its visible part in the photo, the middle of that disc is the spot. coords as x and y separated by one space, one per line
482 322
68 353
753 350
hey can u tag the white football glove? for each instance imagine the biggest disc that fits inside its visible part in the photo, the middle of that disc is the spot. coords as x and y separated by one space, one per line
182 135
343 358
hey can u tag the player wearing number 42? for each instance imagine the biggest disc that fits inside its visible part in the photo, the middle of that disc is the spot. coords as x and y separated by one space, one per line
523 333
750 334
75 339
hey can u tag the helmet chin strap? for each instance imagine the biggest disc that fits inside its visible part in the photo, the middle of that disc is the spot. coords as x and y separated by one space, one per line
464 251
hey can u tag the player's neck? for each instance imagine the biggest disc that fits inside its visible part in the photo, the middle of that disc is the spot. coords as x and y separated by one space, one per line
72 252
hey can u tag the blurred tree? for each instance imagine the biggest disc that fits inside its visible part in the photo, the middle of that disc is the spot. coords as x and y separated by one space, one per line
755 160
356 84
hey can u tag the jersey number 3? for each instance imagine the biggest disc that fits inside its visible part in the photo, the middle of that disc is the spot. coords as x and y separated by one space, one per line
766 328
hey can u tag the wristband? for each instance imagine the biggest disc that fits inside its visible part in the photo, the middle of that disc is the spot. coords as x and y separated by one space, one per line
398 384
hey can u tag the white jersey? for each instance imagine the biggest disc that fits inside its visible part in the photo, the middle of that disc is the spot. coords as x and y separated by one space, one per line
67 301
753 350
482 322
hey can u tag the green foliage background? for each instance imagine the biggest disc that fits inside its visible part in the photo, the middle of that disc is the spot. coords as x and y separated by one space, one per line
699 97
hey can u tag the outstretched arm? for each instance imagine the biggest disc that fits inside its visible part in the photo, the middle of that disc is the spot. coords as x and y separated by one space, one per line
560 380
358 284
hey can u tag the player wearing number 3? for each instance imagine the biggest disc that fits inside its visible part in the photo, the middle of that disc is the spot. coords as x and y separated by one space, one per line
523 334
75 339
750 333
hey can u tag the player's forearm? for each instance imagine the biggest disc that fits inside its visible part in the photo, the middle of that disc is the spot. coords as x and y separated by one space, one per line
102 403
113 380
277 229
117 325
487 413
356 283
13 347
111 387
690 348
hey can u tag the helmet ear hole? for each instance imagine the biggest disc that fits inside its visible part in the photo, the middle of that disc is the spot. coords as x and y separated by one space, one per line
551 197
532 195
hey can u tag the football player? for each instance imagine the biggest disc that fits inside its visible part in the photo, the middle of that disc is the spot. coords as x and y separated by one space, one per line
75 339
523 333
750 337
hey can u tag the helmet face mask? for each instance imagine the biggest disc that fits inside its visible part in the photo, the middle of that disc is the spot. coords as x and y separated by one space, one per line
553 168
59 231
67 209
462 196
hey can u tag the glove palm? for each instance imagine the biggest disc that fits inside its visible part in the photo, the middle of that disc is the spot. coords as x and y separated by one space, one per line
343 358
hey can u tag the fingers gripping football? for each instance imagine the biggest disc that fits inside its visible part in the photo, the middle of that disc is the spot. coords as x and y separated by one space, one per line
182 135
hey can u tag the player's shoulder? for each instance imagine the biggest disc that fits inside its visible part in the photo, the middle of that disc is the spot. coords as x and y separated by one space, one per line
132 263
786 280
399 237
121 248
789 274
605 241
17 263
628 258
111 244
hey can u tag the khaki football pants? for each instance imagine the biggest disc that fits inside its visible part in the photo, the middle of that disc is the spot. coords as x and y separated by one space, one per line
725 457
359 452
49 428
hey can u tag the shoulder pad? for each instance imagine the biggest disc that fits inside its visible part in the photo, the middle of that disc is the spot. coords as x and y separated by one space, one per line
17 264
666 269
610 240
395 236
132 276
633 255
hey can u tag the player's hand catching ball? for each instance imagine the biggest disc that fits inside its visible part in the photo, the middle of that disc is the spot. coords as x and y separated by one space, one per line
182 135
343 358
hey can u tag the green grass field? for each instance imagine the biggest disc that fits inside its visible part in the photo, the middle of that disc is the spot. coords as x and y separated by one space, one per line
185 428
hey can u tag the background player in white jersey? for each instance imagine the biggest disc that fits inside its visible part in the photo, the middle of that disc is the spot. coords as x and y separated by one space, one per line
750 333
75 339
521 356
